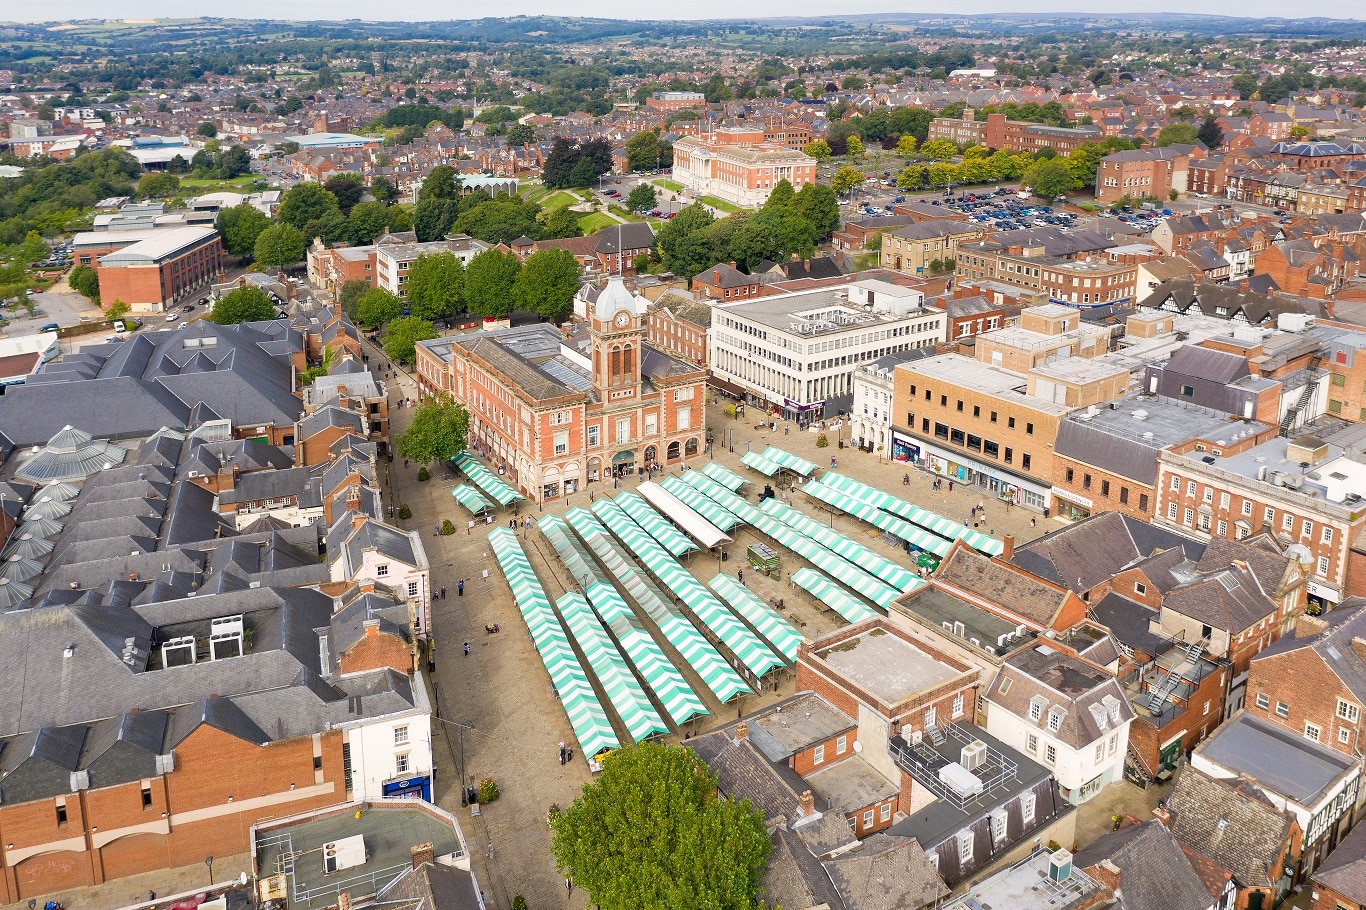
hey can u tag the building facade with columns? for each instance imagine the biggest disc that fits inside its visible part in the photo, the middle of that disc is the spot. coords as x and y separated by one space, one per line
554 411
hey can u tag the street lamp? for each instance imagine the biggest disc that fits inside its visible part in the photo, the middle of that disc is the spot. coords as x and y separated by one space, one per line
208 861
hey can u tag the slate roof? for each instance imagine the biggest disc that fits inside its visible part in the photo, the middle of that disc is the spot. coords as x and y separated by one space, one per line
743 773
1061 683
1209 299
1230 599
1345 623
1006 585
1084 554
886 872
1344 871
725 276
1154 873
794 877
431 886
1241 831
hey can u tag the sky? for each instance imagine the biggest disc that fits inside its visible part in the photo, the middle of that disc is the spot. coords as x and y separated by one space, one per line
697 9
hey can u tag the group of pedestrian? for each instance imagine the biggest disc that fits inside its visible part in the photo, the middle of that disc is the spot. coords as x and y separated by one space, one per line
566 753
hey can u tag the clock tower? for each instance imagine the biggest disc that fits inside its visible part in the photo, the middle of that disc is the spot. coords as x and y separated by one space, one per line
618 332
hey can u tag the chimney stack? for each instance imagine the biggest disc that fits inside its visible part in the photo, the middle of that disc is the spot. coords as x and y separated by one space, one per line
1009 551
359 519
423 853
741 732
1307 626
1162 815
807 802
371 627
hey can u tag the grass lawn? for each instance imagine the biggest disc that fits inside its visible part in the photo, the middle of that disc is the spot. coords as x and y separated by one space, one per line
721 204
558 199
623 214
536 194
671 185
235 185
595 222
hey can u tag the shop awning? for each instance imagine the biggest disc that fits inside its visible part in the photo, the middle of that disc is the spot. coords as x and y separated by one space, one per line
853 576
471 498
832 595
779 633
618 682
913 535
944 527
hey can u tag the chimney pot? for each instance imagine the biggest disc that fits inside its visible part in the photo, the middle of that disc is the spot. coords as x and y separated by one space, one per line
423 853
741 732
807 803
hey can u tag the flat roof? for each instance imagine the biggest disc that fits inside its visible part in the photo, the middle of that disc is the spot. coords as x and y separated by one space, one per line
781 311
1273 455
1079 370
965 372
793 725
849 784
891 668
164 242
1019 888
937 606
390 830
1279 760
1163 421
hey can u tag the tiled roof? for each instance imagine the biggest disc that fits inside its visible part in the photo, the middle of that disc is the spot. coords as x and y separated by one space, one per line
1238 830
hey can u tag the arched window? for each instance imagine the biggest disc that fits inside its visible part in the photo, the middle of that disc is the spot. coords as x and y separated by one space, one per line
673 451
690 449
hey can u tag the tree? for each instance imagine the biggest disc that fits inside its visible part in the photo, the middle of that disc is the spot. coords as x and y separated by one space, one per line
436 286
489 281
239 226
234 163
846 178
402 335
521 134
500 220
912 178
820 149
644 152
817 203
547 283
367 221
85 281
938 149
116 310
246 304
560 222
348 188
432 218
651 832
279 245
305 202
349 294
905 145
158 186
773 234
1048 178
206 129
782 196
442 183
376 306
437 432
382 188
1210 132
682 248
854 146
178 165
1177 134
642 197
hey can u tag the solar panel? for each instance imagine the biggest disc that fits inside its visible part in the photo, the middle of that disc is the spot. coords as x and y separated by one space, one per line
567 374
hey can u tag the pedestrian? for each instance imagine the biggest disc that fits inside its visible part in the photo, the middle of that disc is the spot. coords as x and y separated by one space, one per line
467 649
561 752
437 530
569 885
906 479
981 505
1031 522
568 754
740 575
591 496
489 854
443 592
151 895
950 486
460 588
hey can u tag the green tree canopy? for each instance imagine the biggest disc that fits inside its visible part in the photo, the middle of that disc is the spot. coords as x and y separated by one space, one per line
781 196
520 134
437 432
376 306
682 248
368 220
559 222
278 246
432 218
85 281
547 283
348 189
854 146
905 145
650 833
158 186
246 304
644 152
846 178
206 129
642 196
382 188
442 183
402 335
305 202
816 203
436 286
1179 133
239 226
773 234
1048 178
938 149
349 294
1210 132
819 149
500 220
489 281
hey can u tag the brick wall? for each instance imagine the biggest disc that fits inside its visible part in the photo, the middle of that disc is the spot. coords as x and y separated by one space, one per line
1302 682
376 650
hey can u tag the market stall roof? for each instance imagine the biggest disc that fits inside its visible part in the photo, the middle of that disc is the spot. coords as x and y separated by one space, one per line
486 480
832 595
779 633
654 524
701 526
470 498
618 682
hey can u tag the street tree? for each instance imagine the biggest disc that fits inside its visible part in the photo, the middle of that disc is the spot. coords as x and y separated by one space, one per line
279 245
547 283
239 226
489 281
817 203
846 178
437 432
246 304
376 306
938 149
650 832
305 202
402 335
368 220
820 149
348 296
854 146
85 281
905 145
642 197
1048 178
436 286
781 196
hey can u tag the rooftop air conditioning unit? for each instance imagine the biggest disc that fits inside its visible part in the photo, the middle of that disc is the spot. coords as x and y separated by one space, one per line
973 756
1060 866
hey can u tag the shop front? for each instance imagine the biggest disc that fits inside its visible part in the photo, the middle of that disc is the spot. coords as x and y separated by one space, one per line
905 449
1001 485
408 788
624 463
1069 505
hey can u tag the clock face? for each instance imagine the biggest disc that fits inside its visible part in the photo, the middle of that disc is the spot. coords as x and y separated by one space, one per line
622 319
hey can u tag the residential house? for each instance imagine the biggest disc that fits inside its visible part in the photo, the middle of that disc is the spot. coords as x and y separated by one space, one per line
1142 867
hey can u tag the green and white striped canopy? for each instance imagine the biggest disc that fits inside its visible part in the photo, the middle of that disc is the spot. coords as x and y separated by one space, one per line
732 633
623 689
586 715
760 463
570 551
668 685
870 587
832 595
724 476
485 479
718 675
471 498
654 524
886 521
770 624
897 576
732 502
702 505
788 461
944 527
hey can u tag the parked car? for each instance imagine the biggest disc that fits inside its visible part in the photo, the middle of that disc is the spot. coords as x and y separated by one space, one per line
50 327
119 327
172 317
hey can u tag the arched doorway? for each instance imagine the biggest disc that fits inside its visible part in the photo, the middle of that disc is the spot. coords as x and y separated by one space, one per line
651 455
673 451
571 478
690 448
623 463
594 469
550 483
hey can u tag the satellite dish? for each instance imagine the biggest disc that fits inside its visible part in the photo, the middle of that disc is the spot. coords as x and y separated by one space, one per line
858 746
